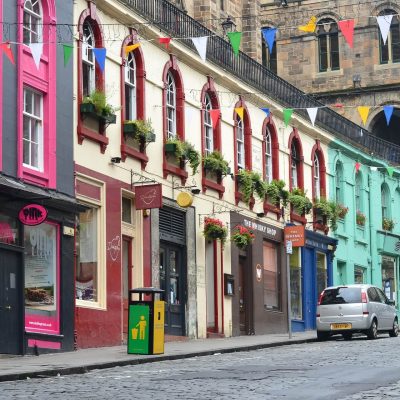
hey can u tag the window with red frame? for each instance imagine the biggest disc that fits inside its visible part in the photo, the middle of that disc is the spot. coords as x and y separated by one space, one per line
318 172
88 63
130 88
316 177
269 173
171 106
208 126
240 144
294 166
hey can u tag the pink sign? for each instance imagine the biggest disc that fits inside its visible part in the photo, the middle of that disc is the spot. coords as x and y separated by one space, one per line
148 196
32 214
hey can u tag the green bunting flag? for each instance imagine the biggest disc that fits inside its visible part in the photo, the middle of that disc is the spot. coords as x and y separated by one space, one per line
235 38
287 114
390 171
67 53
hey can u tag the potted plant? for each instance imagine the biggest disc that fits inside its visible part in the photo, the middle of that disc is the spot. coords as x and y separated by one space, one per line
242 236
250 182
387 224
360 218
214 229
95 104
329 210
215 162
276 193
300 202
343 210
182 151
139 130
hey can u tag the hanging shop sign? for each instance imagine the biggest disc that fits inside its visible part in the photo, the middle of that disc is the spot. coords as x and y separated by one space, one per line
148 196
184 199
32 214
295 234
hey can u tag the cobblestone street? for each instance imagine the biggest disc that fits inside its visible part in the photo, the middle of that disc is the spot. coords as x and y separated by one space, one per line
355 370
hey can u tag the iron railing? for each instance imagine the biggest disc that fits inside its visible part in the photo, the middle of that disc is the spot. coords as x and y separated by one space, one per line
179 25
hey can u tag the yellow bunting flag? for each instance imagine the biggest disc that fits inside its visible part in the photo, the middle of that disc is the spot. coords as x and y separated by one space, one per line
131 47
363 111
311 25
239 111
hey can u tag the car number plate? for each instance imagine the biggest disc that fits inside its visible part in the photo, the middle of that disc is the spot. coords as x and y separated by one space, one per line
340 326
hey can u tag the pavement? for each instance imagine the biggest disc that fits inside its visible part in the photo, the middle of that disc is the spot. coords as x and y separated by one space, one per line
14 368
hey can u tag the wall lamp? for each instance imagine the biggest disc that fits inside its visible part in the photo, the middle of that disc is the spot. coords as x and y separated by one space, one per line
284 3
115 160
261 215
228 26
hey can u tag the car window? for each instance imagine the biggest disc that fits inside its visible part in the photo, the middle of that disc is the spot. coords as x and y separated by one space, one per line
341 295
373 295
382 297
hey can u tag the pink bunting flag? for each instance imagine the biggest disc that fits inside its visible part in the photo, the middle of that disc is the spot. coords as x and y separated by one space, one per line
358 165
347 28
165 40
6 47
215 114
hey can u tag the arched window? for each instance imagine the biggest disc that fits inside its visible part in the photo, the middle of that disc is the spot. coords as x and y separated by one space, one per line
130 87
268 156
385 202
269 58
318 172
208 126
32 24
270 151
328 45
339 183
88 65
294 166
171 106
316 177
240 148
390 52
358 192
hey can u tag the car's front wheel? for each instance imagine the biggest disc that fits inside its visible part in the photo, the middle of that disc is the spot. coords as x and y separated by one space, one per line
372 332
395 330
321 335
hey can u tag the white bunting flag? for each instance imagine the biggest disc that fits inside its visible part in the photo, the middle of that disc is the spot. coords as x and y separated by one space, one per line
361 133
384 22
374 168
201 46
312 113
36 50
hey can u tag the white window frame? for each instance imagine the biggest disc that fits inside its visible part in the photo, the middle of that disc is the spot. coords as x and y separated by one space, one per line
268 156
385 202
293 166
130 88
35 121
208 126
358 191
33 25
317 178
171 106
339 183
241 156
88 43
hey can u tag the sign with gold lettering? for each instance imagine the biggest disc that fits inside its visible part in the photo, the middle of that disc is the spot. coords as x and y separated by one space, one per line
295 234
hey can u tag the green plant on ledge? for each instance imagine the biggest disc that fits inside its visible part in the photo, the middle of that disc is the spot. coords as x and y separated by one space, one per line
98 100
276 193
250 182
139 130
387 224
215 162
360 218
328 209
183 150
242 236
299 201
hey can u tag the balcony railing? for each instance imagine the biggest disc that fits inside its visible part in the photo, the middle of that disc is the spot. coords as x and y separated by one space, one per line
177 24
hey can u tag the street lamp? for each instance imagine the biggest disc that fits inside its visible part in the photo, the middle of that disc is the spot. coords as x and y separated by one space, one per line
228 26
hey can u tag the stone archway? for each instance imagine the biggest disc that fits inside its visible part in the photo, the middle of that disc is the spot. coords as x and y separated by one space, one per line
379 127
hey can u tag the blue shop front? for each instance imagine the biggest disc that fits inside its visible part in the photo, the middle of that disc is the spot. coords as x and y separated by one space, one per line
310 272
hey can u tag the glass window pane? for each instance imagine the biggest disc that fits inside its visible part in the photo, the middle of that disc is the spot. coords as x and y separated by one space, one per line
322 276
127 210
271 284
296 284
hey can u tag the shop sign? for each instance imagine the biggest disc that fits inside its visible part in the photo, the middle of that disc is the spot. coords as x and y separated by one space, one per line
32 214
259 227
148 196
397 246
317 245
295 234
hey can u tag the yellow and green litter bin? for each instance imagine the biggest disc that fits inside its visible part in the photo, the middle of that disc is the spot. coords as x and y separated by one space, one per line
146 322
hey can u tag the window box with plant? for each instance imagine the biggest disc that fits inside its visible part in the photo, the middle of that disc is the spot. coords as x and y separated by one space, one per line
387 224
276 194
139 130
249 182
182 151
342 210
242 237
96 106
360 218
214 229
215 168
300 203
328 210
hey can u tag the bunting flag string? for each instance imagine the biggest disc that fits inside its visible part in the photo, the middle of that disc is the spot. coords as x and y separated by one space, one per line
68 48
239 111
6 47
100 56
269 37
201 46
235 38
215 115
347 28
388 110
363 111
310 26
312 113
287 115
36 50
384 22
131 47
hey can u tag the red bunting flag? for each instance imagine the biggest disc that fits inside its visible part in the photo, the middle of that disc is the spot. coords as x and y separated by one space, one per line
215 114
6 47
165 40
347 28
358 165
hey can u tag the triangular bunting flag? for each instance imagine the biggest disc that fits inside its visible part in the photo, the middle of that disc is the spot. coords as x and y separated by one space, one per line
363 111
388 110
235 38
36 50
8 52
269 37
358 165
266 110
131 47
361 133
215 114
390 171
312 113
165 40
239 111
347 28
311 25
201 46
374 168
384 22
100 55
67 53
287 114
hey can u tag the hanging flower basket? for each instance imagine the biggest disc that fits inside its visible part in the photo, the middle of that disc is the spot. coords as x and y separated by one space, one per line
360 218
214 229
242 237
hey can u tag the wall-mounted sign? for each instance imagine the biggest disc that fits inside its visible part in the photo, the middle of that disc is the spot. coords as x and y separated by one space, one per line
295 234
184 199
148 196
32 214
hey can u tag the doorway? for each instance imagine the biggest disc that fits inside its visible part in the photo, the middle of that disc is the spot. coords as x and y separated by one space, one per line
126 282
242 297
172 281
10 303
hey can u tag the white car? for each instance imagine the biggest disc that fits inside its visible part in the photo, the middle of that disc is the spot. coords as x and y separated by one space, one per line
355 308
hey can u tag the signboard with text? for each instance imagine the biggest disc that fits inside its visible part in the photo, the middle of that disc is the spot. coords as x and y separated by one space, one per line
295 234
32 214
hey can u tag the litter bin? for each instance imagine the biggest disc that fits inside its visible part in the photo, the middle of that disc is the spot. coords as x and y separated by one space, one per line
146 322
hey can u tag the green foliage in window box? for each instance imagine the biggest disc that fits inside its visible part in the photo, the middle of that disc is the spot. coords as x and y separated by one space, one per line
101 108
299 201
343 210
276 193
183 150
250 182
242 236
139 130
387 224
214 229
215 162
328 209
360 218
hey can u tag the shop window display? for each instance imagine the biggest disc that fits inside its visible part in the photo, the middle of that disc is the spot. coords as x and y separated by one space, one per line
296 284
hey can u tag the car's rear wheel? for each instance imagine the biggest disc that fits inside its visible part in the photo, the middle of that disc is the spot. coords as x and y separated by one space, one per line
372 332
347 336
395 331
321 335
